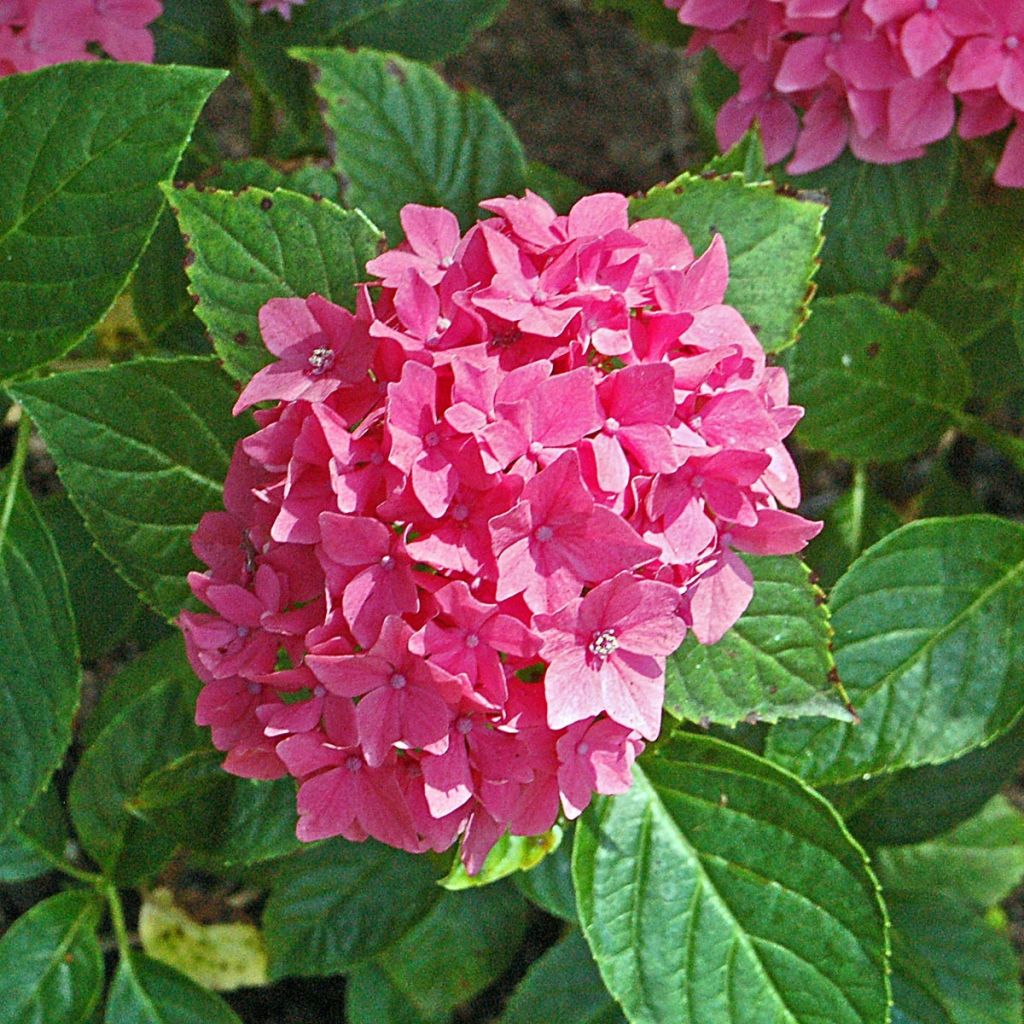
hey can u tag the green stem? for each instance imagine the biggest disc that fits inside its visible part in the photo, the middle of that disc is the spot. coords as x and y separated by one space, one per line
60 864
1012 447
261 121
124 943
859 495
15 469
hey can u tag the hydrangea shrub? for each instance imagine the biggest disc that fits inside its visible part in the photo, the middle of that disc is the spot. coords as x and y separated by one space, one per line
435 533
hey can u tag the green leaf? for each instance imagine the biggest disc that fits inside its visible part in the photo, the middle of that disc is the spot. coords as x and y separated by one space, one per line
258 823
928 647
877 212
402 136
258 246
466 941
105 607
915 804
145 991
965 964
40 678
981 860
84 146
772 240
509 855
337 904
371 997
774 663
563 987
877 385
549 884
195 32
152 731
141 481
29 849
857 520
310 180
51 967
720 888
746 158
164 661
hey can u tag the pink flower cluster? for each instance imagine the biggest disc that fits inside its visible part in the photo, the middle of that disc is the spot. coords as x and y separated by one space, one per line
879 76
483 511
37 33
282 7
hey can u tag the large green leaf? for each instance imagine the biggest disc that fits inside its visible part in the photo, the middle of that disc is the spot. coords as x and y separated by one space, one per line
142 449
258 245
105 607
774 663
981 860
928 646
337 904
772 239
401 135
51 967
720 888
195 32
145 991
151 731
915 804
964 965
31 847
39 672
876 384
84 146
876 214
563 987
466 941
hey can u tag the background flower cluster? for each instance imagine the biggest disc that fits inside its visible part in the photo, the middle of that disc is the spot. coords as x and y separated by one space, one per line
879 76
483 511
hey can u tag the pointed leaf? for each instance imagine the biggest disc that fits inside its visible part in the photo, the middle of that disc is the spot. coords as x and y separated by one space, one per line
31 847
260 245
141 480
773 664
145 991
51 967
402 136
549 884
928 648
84 146
981 860
720 888
772 240
40 678
563 987
338 904
876 384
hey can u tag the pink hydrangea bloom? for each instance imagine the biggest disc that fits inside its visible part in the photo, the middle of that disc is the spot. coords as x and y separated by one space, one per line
37 33
878 76
282 7
483 511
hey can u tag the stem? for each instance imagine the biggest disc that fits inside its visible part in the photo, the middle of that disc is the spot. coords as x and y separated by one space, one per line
16 468
1012 447
261 121
859 495
124 943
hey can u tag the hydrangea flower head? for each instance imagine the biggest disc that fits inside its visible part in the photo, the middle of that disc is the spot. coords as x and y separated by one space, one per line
480 514
879 76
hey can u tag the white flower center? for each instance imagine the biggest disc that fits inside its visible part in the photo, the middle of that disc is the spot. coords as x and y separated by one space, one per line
320 361
472 640
604 643
544 534
398 681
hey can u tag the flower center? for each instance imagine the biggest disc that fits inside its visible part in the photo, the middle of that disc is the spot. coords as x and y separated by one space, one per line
242 632
835 38
376 459
1011 42
604 643
320 361
583 748
254 688
387 562
931 5
544 534
319 690
611 425
433 439
398 681
353 764
464 725
460 513
536 448
472 640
